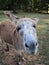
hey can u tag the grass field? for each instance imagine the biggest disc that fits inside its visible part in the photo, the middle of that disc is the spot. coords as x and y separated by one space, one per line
43 36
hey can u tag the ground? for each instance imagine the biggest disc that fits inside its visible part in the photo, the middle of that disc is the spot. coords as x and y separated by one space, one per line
42 58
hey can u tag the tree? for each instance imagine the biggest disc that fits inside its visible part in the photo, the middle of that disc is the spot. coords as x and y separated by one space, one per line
3 4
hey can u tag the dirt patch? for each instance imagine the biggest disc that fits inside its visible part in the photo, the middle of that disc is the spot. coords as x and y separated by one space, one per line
12 58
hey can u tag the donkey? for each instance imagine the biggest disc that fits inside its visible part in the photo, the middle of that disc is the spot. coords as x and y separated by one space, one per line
22 34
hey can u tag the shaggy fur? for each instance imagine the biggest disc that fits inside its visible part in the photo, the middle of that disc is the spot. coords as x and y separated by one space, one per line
8 33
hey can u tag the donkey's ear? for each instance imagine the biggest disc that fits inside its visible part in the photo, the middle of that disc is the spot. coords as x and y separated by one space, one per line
35 20
11 16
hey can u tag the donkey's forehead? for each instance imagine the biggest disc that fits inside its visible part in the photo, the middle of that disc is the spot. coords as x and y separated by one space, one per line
26 21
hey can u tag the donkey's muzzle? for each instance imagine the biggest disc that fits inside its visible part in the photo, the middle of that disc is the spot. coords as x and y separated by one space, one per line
32 46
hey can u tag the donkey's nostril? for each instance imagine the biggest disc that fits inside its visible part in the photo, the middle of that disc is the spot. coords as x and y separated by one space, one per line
36 43
26 45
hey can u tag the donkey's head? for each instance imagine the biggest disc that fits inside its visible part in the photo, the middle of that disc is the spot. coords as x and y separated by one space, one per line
26 27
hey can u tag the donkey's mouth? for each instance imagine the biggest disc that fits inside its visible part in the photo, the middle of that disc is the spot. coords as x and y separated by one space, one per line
33 53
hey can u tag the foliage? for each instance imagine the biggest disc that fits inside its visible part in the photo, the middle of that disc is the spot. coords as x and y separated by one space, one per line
26 5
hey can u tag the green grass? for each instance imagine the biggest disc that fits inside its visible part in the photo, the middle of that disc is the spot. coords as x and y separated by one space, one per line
43 35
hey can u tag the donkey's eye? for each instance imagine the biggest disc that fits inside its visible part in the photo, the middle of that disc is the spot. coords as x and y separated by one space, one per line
18 28
34 26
